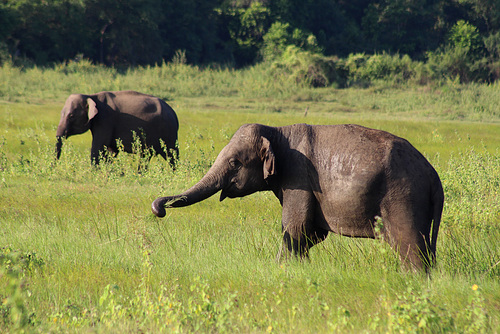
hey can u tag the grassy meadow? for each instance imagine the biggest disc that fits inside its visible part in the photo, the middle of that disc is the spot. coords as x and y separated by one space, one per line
82 252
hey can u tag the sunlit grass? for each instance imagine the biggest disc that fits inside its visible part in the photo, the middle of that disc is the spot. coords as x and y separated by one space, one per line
92 257
257 89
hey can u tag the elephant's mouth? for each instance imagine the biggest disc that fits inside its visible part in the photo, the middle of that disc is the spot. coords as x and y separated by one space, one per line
225 193
223 196
233 190
229 191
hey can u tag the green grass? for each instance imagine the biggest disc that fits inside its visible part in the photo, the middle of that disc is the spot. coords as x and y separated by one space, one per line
83 253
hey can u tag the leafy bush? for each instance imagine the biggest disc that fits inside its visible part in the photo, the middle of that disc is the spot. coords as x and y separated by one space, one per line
369 68
464 35
463 58
310 68
279 37
247 28
492 45
81 66
14 266
4 53
456 63
414 312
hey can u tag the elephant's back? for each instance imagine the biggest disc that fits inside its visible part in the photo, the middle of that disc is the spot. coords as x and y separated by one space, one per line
352 159
168 114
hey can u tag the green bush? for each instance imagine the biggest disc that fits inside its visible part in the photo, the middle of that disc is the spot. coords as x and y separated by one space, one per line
369 68
310 68
492 45
4 53
464 35
14 267
463 58
280 36
455 63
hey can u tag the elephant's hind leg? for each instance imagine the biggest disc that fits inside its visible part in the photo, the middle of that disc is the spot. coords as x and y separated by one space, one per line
413 245
173 156
169 154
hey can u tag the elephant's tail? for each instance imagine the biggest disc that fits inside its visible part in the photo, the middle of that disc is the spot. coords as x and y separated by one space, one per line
437 204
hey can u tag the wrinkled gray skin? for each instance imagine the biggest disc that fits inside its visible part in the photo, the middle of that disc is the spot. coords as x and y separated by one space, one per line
334 178
114 115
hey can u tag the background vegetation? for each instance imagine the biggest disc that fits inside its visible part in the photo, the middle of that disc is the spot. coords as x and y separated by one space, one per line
450 38
81 251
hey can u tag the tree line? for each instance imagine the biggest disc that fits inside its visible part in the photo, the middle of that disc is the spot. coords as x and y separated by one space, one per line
239 32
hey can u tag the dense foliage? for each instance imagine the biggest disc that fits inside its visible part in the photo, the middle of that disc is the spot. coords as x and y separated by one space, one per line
242 32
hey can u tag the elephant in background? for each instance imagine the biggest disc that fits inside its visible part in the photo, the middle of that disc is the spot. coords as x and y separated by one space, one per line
331 178
117 115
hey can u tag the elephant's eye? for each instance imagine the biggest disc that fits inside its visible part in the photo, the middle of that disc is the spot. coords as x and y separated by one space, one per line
234 164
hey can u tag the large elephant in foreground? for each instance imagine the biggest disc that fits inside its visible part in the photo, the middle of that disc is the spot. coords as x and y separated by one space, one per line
332 178
118 115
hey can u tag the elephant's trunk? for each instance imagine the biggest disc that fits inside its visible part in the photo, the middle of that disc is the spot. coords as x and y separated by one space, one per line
211 183
61 134
58 147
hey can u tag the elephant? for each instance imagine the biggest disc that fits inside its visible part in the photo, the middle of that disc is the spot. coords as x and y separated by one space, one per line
118 115
346 179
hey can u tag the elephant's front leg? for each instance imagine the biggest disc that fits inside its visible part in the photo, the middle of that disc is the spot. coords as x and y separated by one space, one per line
97 152
95 155
101 141
299 232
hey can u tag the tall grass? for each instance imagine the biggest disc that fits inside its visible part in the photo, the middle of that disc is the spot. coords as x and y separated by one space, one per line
82 251
166 81
260 88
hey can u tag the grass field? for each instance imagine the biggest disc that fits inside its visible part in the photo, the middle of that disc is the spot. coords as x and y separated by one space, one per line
82 252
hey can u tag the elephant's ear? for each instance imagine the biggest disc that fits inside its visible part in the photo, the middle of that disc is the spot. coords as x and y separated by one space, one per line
267 156
92 108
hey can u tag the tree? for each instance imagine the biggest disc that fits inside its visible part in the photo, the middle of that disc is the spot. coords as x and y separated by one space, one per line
466 36
194 26
280 36
247 26
485 11
46 31
8 22
401 26
124 31
335 32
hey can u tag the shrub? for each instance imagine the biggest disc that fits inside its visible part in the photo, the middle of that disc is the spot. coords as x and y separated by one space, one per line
464 35
14 266
455 63
4 53
463 57
368 68
82 66
279 37
311 68
492 45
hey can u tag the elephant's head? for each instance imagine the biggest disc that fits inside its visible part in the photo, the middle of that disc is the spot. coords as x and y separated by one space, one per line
241 168
76 115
